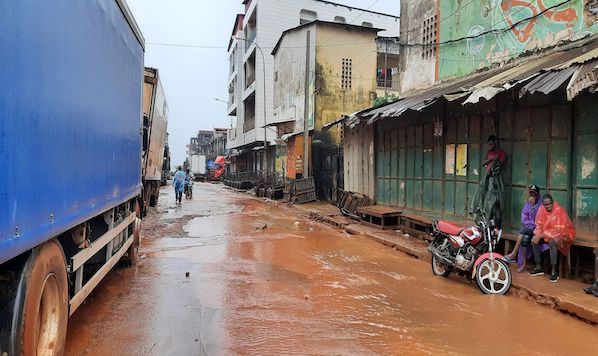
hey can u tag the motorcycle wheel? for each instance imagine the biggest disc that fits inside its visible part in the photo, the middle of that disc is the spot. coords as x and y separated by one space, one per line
493 277
439 268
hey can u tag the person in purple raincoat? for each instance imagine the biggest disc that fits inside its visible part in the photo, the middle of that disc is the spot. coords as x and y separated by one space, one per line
528 222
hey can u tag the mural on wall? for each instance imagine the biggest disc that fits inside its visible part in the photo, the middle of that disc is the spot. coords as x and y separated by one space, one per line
515 27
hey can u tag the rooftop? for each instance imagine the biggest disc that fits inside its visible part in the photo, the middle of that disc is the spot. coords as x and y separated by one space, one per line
328 23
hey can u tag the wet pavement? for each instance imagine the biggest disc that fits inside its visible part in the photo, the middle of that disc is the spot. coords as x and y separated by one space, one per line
263 280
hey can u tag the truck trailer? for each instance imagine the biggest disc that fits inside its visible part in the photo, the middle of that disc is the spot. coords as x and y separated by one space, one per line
155 121
72 86
198 166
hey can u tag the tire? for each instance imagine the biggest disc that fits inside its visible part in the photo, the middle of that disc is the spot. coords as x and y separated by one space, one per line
40 310
439 268
490 274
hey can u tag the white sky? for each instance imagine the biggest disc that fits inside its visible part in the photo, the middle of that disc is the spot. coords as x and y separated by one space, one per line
193 77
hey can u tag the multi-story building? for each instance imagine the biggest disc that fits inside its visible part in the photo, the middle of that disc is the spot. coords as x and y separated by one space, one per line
342 78
251 76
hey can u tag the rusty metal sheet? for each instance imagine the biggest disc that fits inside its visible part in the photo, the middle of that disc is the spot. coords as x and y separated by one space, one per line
585 76
421 100
490 82
485 93
547 72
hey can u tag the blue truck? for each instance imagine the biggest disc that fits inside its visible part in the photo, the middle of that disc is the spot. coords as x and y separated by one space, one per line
71 82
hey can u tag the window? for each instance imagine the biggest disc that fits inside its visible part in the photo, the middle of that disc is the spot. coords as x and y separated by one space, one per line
367 24
339 19
347 73
306 16
429 38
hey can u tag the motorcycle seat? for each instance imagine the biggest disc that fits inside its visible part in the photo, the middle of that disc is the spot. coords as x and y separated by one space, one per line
449 228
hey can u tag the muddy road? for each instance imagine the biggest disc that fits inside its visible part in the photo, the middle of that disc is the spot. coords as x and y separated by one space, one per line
262 280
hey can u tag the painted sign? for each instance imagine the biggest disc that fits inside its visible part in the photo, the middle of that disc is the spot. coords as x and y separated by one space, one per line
498 30
461 165
449 161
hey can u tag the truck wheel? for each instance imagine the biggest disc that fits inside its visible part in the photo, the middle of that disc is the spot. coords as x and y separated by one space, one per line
40 312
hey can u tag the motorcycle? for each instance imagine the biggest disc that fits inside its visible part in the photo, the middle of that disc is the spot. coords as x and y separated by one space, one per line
189 190
470 251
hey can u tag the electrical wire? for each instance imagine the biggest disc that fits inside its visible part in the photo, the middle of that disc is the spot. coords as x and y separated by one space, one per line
350 22
490 31
399 43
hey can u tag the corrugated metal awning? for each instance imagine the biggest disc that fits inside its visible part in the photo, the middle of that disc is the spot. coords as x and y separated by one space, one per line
585 76
453 89
548 82
542 73
546 72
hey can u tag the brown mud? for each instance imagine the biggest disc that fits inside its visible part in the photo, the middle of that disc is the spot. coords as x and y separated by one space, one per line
263 280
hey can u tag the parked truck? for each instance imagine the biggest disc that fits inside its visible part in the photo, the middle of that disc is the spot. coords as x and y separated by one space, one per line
198 166
155 121
70 106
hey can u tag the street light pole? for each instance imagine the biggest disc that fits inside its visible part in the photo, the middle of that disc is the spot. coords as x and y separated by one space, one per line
226 102
264 80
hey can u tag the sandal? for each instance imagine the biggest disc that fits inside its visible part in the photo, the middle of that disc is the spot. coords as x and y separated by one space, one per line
510 259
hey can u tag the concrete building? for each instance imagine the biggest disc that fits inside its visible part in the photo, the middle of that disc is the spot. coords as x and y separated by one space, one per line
342 78
251 77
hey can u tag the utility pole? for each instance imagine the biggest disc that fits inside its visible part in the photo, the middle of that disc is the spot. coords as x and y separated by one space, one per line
306 113
386 69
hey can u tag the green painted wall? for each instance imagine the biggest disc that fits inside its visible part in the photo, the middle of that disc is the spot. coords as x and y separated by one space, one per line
459 19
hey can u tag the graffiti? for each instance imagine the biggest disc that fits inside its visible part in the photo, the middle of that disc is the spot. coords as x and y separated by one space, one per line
498 30
532 10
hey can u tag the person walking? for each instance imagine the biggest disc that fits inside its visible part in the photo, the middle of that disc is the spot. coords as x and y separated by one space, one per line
554 227
179 184
528 224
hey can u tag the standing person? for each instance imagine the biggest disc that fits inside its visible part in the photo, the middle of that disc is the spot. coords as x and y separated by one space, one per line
179 184
489 197
553 227
528 224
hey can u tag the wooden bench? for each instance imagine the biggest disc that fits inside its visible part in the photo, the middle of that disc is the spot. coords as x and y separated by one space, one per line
565 269
417 225
380 216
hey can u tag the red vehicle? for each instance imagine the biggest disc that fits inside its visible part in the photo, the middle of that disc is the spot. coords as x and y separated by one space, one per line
470 251
218 171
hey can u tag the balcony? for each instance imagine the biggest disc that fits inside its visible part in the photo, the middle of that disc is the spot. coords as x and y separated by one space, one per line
388 84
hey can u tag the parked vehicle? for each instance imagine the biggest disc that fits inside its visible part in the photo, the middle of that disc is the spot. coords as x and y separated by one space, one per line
155 122
470 251
217 168
70 108
198 166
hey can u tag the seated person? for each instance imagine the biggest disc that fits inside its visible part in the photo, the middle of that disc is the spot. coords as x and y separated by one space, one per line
553 227
528 224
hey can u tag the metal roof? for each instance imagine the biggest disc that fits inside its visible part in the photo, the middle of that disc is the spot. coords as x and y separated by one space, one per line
421 100
547 82
542 73
547 72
